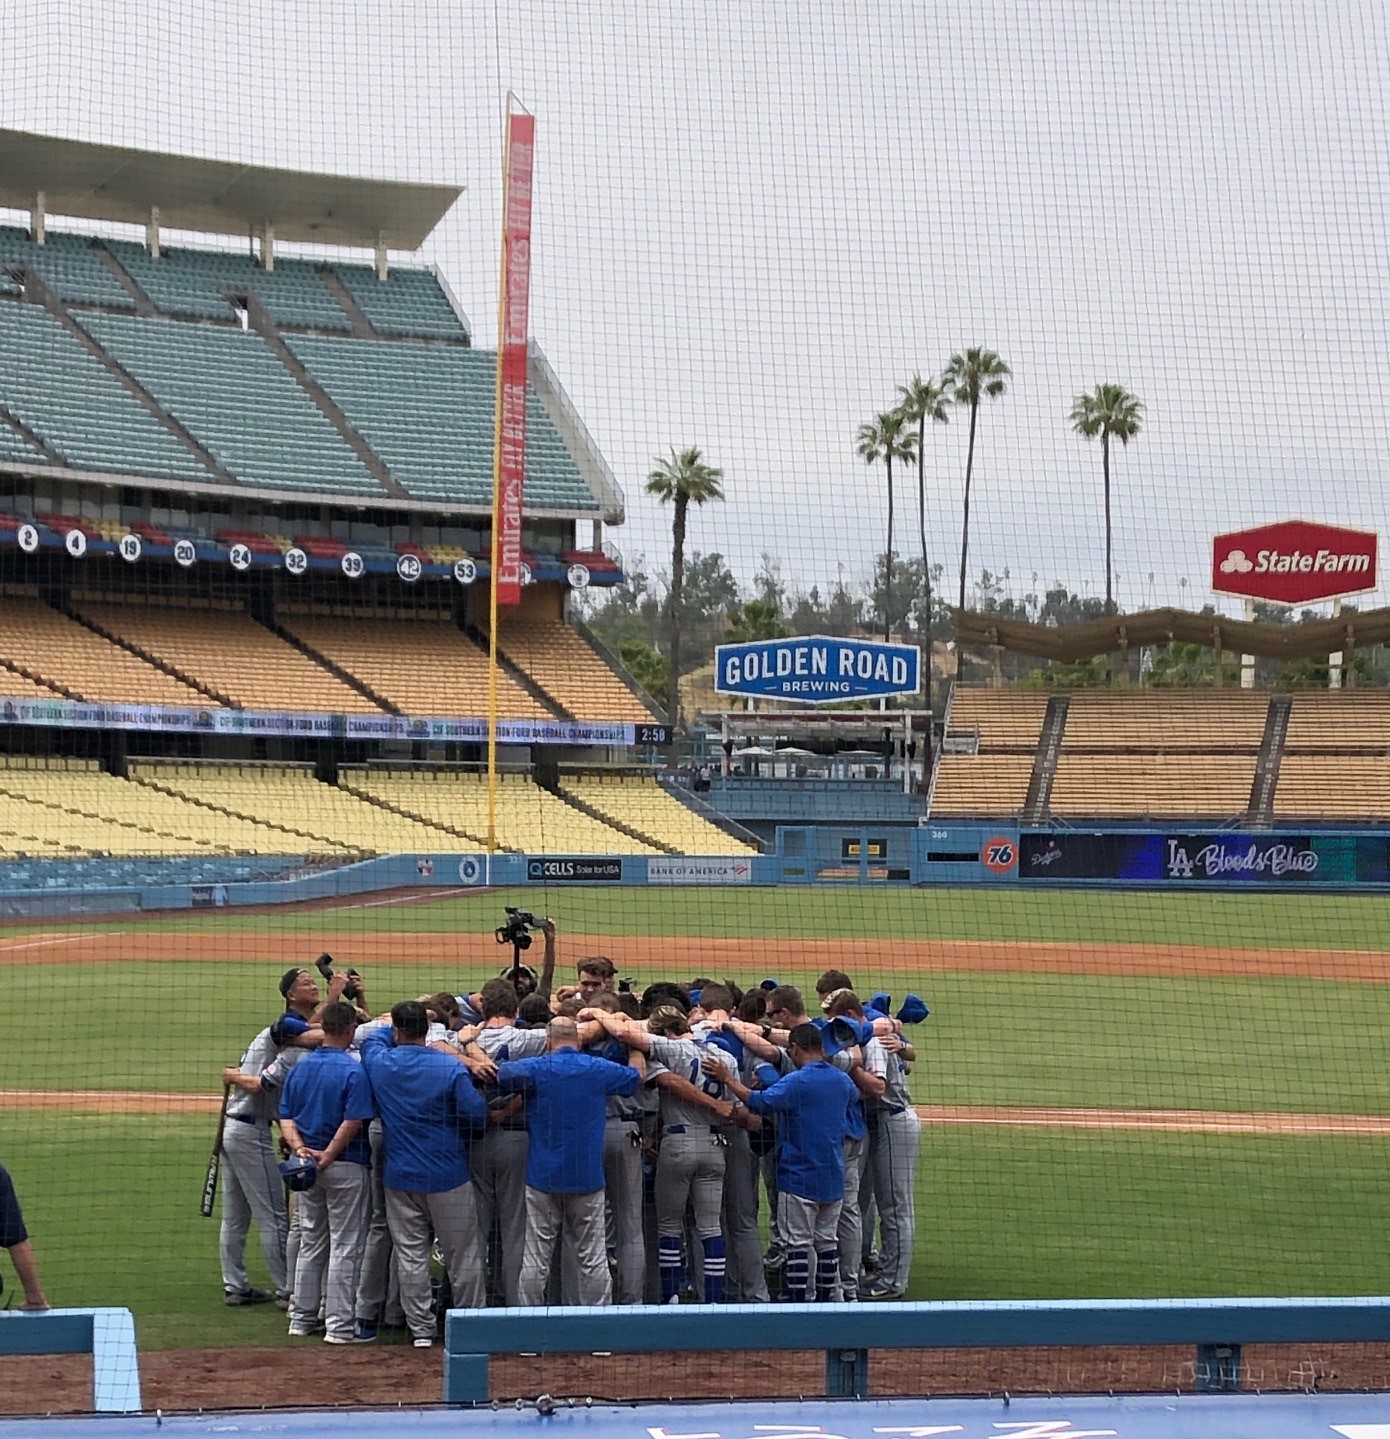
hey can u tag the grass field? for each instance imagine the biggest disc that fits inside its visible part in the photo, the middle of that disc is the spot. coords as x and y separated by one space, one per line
159 1004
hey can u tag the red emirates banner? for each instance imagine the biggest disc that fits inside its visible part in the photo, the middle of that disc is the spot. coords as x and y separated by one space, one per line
513 327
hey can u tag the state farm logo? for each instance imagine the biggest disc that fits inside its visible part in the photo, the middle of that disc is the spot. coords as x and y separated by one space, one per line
1294 562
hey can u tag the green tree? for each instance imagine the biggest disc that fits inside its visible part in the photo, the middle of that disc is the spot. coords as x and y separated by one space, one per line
682 480
972 375
646 665
893 594
1110 412
711 592
924 400
886 437
757 620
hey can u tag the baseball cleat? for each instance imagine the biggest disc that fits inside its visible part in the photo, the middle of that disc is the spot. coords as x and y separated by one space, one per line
235 1298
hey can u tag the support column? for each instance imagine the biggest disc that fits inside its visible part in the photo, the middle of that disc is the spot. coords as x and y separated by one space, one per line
1247 662
383 263
268 246
37 217
1334 660
152 232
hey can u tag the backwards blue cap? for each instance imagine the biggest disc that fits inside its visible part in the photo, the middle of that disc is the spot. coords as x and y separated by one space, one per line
914 1010
844 1032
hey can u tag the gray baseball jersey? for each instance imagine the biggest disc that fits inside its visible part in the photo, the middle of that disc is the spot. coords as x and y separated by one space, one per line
683 1057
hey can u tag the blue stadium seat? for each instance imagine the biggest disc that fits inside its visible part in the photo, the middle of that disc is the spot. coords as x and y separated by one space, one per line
227 386
408 302
68 264
195 283
427 410
70 399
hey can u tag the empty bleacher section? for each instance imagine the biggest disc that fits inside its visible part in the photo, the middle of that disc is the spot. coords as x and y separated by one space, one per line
52 648
68 264
1336 763
969 786
1003 721
289 797
227 652
13 446
529 819
236 398
73 403
426 410
642 805
421 666
1340 723
70 807
1152 786
197 283
408 302
1168 721
569 670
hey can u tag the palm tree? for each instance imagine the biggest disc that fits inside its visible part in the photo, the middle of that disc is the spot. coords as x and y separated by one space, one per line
973 375
681 481
1109 411
924 400
886 437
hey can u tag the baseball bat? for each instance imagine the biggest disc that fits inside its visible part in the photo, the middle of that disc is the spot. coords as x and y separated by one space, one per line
215 1162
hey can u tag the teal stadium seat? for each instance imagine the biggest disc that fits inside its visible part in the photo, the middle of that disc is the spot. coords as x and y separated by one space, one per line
227 386
407 302
15 447
67 264
192 283
73 402
427 410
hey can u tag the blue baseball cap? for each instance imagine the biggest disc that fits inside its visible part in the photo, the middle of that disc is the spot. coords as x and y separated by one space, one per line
770 983
914 1010
881 1003
844 1032
766 1075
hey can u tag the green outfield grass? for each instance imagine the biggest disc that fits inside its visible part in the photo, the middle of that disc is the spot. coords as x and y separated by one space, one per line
1301 920
112 1205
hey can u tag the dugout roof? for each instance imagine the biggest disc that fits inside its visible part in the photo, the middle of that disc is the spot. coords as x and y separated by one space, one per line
115 183
1091 638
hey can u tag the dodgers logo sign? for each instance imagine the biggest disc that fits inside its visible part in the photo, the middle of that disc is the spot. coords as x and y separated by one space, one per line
816 669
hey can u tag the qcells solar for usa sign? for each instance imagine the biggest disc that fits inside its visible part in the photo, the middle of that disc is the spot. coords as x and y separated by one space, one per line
815 669
1295 562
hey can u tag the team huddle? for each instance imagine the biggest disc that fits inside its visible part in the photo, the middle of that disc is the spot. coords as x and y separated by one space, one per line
581 1147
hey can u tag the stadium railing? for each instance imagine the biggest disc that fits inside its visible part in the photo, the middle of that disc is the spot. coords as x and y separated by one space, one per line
108 1335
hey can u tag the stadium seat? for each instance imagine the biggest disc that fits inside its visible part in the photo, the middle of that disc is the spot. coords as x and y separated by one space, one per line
423 667
1333 787
1152 786
563 663
44 643
981 786
407 302
68 264
427 411
236 398
1341 722
1170 721
529 819
639 802
227 651
72 401
1003 720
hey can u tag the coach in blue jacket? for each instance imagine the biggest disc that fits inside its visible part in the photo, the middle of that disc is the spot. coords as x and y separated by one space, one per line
428 1107
566 1110
812 1105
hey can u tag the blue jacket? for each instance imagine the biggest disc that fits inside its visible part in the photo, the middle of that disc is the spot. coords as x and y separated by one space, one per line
324 1089
566 1107
428 1107
812 1106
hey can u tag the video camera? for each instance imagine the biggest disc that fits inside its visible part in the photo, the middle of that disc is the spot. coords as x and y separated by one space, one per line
351 991
516 929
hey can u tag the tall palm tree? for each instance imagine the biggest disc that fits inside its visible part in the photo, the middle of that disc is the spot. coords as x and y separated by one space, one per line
924 400
682 480
973 375
886 437
1111 412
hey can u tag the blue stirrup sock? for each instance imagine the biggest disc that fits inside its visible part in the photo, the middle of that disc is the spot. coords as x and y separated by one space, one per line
714 1269
668 1259
827 1274
798 1275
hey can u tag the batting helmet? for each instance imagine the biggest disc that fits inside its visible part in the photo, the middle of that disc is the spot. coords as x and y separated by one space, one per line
299 1174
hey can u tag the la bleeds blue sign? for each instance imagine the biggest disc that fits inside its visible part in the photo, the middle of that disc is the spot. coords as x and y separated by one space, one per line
815 669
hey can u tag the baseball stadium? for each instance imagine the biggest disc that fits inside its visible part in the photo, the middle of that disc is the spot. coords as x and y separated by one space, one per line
793 838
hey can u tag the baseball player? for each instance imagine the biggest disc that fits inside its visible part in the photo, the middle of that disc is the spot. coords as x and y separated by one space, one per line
812 1106
566 1107
498 1159
324 1104
690 1165
428 1105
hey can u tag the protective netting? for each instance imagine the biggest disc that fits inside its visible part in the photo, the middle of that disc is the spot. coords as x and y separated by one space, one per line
1041 343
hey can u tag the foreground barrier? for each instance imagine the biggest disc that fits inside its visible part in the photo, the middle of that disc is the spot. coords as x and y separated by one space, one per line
108 1335
847 1332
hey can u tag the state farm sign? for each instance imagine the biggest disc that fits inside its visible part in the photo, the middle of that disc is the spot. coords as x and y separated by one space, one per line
1295 562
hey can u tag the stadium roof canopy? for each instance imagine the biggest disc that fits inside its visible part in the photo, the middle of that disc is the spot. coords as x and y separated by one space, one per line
114 183
1091 638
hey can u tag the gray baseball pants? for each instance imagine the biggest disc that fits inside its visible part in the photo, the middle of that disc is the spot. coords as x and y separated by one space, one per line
580 1217
452 1214
896 1140
378 1293
809 1227
252 1189
622 1186
333 1217
690 1167
497 1163
745 1283
848 1230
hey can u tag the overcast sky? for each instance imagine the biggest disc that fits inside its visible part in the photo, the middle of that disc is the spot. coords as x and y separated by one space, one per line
755 220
